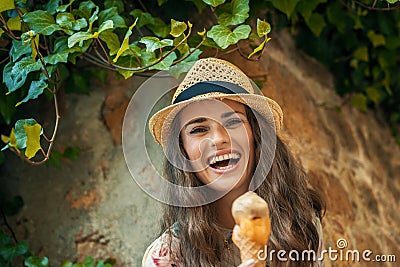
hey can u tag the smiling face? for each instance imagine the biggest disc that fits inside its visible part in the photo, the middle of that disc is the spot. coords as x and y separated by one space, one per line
219 142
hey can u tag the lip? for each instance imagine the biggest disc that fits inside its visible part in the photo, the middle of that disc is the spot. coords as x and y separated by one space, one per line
223 152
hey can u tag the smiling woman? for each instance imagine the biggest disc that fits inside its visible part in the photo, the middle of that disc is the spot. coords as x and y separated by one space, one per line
220 133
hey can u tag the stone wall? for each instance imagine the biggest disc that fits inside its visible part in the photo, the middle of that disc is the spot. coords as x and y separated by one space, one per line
351 157
93 207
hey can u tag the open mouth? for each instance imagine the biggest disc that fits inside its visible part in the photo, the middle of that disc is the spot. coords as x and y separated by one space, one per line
224 162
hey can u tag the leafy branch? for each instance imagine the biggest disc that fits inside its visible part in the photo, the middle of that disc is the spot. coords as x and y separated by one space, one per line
41 39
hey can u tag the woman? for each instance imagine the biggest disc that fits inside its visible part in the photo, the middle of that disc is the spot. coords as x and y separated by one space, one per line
221 135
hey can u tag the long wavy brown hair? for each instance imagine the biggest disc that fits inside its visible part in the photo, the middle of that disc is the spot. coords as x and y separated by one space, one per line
293 206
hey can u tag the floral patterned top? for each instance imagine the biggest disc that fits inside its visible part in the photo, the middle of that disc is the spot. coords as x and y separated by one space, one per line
160 254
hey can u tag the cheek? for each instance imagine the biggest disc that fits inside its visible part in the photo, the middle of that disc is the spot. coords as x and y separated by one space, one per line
191 147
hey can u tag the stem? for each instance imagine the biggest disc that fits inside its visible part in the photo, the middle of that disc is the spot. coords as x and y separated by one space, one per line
191 52
6 29
377 8
96 62
8 225
158 61
4 60
104 50
51 141
143 6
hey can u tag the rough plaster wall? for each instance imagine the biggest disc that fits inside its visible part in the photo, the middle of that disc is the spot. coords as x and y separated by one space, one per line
93 207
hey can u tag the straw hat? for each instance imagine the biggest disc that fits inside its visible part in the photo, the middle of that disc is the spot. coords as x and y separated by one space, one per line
212 78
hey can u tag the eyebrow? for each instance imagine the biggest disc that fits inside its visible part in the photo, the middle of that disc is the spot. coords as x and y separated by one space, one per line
228 114
224 115
198 120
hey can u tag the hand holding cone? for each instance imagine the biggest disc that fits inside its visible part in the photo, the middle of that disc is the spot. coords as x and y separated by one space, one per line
252 229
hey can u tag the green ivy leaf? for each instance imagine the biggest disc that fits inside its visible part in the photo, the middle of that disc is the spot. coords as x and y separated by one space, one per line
112 41
306 8
159 28
7 104
144 18
177 28
93 18
52 6
18 49
35 90
106 25
359 101
15 75
185 65
337 16
19 132
128 62
14 24
67 264
214 3
12 207
263 28
286 6
112 14
55 160
200 5
153 43
35 261
4 239
61 51
58 57
119 4
6 5
72 153
86 8
183 47
41 22
8 252
68 23
62 8
316 23
166 63
361 53
88 262
125 42
376 38
238 13
78 83
373 94
224 37
79 37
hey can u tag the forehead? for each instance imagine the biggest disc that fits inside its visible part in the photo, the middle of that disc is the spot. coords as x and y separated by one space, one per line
210 108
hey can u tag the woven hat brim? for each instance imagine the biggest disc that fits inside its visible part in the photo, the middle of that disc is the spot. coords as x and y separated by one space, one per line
265 106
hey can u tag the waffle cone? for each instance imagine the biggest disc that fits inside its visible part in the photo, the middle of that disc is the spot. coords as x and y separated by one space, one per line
250 250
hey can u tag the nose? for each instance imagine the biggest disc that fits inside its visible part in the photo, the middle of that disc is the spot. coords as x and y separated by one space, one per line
220 135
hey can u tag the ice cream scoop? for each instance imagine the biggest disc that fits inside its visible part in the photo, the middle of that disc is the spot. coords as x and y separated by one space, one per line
253 227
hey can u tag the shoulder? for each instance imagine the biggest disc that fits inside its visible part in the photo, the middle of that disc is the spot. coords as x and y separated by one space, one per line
163 251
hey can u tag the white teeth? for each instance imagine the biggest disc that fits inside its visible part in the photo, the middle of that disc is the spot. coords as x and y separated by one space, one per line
226 167
224 157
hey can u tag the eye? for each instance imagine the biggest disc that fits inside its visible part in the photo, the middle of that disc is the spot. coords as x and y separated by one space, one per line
233 122
198 130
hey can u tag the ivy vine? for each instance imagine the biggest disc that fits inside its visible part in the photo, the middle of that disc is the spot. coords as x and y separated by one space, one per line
42 41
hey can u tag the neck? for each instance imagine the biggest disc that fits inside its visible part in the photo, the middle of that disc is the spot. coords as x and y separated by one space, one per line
224 205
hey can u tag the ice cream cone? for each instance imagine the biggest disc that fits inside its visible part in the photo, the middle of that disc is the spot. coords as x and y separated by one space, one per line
252 229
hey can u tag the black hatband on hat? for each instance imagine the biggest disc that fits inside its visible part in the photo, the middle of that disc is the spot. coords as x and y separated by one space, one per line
205 87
